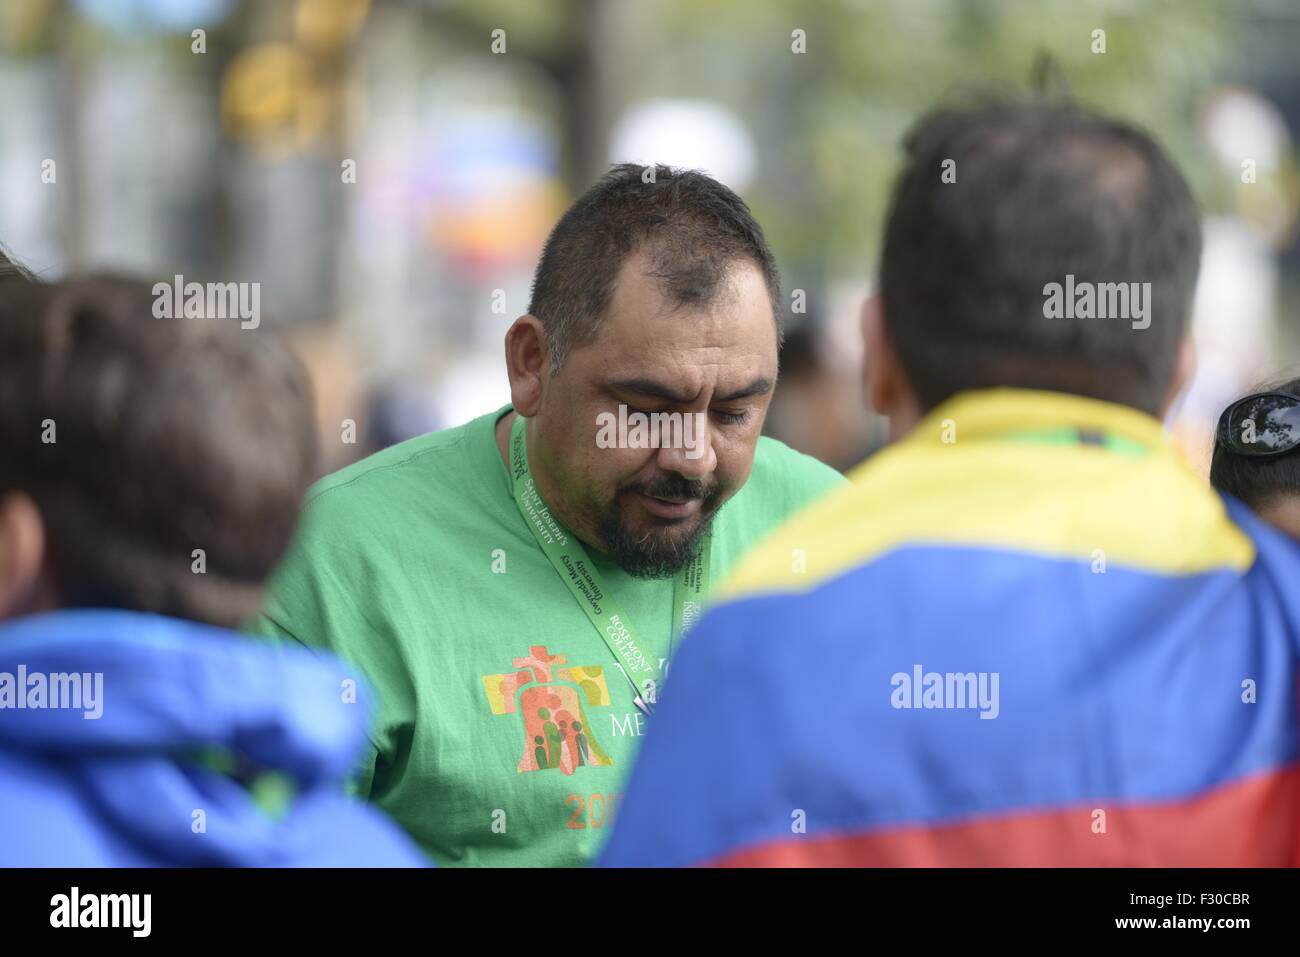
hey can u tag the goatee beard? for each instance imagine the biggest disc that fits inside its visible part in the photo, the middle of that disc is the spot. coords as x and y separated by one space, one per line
652 553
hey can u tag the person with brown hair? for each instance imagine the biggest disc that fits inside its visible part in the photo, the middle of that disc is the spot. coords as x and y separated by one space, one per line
151 473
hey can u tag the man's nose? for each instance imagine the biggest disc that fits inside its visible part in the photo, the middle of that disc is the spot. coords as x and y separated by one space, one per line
690 454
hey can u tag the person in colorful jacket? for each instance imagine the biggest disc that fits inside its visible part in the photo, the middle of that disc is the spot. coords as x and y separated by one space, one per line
1027 633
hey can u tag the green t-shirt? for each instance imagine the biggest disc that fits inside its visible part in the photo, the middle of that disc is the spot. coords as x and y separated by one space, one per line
416 567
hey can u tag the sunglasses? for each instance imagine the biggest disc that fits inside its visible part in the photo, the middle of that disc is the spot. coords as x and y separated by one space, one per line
1260 425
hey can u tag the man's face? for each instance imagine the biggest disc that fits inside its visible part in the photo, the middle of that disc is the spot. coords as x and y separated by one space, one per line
648 507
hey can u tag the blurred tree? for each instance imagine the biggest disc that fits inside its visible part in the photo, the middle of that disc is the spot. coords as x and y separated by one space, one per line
834 115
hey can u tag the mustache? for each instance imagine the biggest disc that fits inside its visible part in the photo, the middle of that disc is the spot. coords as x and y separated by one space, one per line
677 487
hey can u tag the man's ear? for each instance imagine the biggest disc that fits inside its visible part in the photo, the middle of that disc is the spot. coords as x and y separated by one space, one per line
883 384
886 385
1184 370
526 364
22 555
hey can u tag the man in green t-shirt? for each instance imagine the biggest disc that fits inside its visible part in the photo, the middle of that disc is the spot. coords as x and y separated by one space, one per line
514 588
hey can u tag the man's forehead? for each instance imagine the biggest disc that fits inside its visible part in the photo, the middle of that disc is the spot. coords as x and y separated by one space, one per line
685 388
737 315
666 355
681 349
668 363
642 292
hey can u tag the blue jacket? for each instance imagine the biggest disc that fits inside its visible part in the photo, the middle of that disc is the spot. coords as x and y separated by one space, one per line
196 726
1026 635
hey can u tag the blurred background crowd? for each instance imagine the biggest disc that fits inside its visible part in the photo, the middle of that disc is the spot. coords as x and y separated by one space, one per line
388 170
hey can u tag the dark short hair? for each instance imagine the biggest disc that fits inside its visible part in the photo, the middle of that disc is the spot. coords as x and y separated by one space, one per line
169 435
1257 480
1043 189
695 227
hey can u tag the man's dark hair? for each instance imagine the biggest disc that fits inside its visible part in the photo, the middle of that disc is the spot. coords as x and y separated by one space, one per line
1257 480
1042 190
142 439
694 227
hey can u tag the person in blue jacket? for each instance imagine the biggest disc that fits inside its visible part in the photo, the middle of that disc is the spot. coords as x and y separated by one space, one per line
151 470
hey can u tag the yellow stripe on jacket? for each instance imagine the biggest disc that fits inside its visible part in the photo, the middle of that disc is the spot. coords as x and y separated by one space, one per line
976 473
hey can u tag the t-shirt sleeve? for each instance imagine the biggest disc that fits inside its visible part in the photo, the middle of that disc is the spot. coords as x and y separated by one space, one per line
785 482
268 630
814 477
319 598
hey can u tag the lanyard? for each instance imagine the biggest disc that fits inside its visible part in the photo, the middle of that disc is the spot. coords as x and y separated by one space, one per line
585 582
